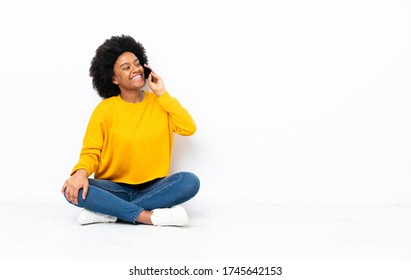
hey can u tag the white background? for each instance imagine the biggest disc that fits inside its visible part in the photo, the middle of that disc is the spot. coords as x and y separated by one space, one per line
298 101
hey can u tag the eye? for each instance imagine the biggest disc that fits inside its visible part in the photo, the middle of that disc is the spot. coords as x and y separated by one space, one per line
126 68
137 64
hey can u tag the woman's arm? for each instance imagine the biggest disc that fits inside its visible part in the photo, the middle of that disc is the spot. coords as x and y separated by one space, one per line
182 121
92 144
89 157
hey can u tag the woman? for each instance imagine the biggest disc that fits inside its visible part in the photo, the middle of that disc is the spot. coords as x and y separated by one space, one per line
128 144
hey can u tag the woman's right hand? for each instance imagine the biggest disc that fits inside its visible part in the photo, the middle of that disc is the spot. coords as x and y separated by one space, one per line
73 185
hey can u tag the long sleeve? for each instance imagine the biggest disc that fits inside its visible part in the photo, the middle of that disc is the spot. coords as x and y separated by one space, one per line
181 119
92 144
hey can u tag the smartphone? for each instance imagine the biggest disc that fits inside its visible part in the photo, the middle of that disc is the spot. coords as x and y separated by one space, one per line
147 72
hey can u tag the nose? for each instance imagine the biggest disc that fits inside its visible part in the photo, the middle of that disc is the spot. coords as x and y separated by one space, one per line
133 68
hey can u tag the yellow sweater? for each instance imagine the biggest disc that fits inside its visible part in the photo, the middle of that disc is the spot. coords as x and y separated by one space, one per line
132 142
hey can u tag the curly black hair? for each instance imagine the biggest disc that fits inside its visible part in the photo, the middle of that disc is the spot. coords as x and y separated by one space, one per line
101 69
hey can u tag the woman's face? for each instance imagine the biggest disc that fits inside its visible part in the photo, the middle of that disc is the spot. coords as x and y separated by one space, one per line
128 73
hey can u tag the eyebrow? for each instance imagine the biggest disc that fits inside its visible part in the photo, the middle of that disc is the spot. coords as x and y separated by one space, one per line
128 63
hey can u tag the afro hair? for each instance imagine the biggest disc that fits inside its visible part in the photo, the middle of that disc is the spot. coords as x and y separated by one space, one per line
102 64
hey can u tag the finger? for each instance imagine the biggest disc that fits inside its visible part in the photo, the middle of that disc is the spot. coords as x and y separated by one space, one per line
154 75
85 191
154 79
67 194
65 186
75 198
65 191
70 195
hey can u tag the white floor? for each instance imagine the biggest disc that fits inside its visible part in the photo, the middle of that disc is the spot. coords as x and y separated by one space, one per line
39 231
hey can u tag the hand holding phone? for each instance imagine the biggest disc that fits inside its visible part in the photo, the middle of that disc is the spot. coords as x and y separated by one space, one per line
155 83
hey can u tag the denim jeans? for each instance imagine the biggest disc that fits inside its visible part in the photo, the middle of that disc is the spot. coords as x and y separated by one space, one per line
126 202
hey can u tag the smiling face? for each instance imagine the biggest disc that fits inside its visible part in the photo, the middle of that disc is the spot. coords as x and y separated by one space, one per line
128 73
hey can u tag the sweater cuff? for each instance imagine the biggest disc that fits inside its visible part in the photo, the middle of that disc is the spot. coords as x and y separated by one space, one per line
77 167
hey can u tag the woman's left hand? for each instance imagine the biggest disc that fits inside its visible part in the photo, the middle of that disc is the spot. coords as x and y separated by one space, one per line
155 83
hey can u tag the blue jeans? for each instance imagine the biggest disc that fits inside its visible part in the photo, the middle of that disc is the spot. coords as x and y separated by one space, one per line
126 202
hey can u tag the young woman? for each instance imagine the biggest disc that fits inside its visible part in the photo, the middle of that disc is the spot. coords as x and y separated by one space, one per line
128 144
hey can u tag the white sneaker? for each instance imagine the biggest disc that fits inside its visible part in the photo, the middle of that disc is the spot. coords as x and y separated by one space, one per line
89 217
174 216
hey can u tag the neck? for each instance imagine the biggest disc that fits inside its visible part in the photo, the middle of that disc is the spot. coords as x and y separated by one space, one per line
135 96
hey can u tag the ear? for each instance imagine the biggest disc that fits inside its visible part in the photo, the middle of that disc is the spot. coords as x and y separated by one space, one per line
113 79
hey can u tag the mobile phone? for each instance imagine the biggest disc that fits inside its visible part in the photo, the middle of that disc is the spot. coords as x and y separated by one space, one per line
147 72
